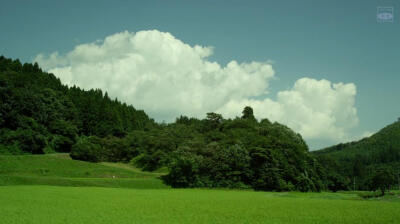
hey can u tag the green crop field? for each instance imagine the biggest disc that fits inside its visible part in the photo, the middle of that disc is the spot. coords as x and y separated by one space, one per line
55 189
51 204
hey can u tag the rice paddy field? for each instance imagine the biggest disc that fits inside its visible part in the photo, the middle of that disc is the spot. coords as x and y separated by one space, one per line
79 192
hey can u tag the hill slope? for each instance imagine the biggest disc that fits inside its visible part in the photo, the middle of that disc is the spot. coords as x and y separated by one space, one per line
38 114
59 169
360 158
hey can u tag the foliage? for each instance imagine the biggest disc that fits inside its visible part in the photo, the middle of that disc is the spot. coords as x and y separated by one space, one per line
382 179
38 113
41 115
248 113
355 164
26 140
95 149
240 153
86 150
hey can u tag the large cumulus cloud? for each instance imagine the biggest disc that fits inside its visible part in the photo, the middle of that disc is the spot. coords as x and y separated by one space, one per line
314 108
157 72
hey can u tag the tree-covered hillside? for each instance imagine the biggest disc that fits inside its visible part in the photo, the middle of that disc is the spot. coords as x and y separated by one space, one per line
215 152
359 161
39 114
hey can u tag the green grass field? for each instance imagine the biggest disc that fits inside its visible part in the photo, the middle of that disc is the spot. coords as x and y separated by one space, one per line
50 204
61 165
55 189
60 170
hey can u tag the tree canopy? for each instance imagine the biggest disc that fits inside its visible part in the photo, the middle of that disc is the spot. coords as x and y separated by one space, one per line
38 114
359 162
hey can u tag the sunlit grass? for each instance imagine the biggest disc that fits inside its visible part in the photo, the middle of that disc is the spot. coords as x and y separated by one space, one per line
60 165
60 170
49 204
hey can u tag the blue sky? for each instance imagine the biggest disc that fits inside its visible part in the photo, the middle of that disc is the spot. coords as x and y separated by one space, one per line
340 41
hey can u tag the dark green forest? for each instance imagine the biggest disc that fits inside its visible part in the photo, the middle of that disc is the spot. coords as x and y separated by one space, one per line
38 114
361 161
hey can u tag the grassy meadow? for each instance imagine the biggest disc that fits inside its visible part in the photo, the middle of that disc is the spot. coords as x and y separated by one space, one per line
61 170
55 189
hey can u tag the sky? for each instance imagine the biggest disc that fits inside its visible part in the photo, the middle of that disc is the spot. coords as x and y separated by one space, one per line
327 69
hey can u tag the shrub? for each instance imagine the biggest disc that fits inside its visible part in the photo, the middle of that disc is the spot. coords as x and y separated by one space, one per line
86 151
184 171
27 140
367 195
61 143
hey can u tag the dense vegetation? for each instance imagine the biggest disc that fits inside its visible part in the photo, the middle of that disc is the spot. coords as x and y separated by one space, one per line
214 152
369 164
38 114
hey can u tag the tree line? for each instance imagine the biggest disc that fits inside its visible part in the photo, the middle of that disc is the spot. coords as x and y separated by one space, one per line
38 114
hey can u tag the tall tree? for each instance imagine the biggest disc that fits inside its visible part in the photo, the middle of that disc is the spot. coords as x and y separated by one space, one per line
248 113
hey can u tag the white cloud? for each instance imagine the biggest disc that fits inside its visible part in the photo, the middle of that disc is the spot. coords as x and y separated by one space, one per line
154 71
314 108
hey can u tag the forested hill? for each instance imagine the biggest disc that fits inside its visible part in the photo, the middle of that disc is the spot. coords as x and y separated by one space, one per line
359 159
39 114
